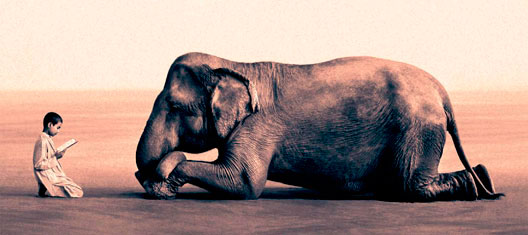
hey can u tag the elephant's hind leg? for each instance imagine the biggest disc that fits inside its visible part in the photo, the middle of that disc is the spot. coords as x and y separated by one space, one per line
415 159
444 187
458 185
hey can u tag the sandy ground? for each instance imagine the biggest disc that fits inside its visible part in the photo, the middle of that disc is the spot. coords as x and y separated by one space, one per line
493 126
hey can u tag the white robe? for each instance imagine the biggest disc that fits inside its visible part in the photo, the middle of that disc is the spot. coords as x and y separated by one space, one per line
48 170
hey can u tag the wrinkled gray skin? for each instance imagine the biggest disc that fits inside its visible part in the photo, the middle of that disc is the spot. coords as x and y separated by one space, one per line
346 127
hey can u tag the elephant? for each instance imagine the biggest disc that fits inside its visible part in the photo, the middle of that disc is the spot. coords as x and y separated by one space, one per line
346 127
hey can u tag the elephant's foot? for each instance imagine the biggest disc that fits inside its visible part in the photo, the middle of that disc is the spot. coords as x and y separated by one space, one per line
160 189
457 186
460 185
163 185
164 189
444 187
483 175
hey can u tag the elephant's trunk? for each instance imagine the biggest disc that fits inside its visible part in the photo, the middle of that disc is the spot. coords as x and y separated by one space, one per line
148 154
154 144
155 161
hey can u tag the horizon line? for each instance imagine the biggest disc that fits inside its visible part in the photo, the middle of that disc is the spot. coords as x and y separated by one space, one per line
520 89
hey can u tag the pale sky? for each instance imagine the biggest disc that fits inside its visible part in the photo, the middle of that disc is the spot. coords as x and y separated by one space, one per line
61 45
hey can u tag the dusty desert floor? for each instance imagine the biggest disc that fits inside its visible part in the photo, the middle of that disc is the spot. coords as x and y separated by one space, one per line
108 124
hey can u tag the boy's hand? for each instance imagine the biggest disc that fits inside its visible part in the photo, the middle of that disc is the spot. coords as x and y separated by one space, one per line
59 155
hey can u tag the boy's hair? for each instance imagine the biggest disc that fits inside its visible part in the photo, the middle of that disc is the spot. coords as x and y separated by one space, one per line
52 117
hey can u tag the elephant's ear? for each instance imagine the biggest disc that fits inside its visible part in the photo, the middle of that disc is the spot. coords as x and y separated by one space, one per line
233 99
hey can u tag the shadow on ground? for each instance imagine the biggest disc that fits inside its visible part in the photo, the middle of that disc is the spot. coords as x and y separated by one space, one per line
200 194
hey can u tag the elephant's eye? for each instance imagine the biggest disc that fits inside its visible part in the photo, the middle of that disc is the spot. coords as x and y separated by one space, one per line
176 108
181 109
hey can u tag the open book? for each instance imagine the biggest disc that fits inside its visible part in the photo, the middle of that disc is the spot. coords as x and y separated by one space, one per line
66 145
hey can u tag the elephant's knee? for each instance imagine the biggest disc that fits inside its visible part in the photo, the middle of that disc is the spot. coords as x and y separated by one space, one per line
244 192
252 186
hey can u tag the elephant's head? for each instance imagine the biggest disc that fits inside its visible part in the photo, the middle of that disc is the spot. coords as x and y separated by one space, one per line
195 112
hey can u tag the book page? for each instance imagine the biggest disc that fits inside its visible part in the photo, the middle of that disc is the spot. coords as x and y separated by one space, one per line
66 145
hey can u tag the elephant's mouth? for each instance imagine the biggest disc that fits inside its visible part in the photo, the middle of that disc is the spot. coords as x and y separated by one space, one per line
157 183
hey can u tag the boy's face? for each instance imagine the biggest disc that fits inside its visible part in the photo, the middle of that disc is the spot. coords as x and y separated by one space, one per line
53 130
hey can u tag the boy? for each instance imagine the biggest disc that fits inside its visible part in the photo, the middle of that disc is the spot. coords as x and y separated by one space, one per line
50 178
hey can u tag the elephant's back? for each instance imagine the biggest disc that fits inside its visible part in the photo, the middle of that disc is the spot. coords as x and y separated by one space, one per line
368 84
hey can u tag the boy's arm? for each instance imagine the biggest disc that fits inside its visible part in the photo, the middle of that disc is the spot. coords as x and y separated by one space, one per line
41 162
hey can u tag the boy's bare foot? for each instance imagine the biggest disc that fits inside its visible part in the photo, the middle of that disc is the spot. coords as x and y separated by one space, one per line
42 192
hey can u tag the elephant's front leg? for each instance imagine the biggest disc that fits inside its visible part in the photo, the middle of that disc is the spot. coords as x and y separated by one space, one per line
241 169
158 184
235 176
239 172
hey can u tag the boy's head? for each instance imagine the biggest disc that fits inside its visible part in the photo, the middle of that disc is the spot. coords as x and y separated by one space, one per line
52 123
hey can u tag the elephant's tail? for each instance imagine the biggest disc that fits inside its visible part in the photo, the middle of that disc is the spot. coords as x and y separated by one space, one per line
484 192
